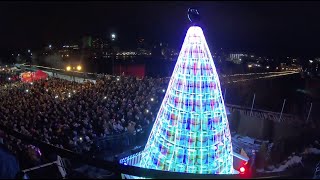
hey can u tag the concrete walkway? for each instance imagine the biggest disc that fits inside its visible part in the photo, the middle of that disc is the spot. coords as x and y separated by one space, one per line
69 78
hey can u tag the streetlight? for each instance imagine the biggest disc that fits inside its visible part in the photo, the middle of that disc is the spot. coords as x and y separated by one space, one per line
79 68
113 36
69 69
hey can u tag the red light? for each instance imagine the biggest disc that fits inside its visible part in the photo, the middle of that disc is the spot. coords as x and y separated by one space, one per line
242 169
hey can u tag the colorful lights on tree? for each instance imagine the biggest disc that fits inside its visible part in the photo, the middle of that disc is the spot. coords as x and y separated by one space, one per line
191 132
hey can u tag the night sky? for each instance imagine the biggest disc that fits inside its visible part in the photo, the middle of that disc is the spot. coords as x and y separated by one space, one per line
268 28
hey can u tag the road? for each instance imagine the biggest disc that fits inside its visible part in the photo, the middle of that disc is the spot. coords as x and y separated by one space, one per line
235 78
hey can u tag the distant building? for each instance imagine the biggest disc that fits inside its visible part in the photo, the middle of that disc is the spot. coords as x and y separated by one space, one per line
97 43
236 57
68 50
70 47
143 48
156 51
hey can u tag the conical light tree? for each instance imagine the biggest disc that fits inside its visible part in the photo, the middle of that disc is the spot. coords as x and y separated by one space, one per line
191 131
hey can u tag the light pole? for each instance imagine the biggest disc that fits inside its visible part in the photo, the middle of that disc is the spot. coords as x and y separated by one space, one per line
79 67
112 63
68 68
113 38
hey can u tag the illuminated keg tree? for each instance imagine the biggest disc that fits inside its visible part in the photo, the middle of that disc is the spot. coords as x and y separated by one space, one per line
191 132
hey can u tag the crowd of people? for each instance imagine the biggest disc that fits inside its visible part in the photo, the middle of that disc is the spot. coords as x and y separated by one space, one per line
6 76
67 114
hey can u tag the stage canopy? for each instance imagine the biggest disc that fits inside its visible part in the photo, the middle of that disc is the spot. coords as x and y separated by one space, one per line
33 76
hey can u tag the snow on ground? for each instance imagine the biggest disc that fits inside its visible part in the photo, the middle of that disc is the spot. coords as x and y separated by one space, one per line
311 151
294 160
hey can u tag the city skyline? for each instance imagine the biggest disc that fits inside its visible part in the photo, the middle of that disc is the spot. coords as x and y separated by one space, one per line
270 28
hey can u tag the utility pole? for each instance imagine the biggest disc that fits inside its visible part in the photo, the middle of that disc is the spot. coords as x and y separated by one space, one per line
254 97
284 103
309 113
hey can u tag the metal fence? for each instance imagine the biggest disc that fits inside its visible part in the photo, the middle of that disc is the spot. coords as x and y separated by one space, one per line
116 143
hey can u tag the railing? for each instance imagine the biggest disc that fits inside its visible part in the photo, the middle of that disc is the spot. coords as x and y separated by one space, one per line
116 143
119 142
135 159
119 168
263 114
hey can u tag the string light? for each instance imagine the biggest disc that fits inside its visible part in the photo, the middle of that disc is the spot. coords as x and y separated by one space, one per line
191 131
